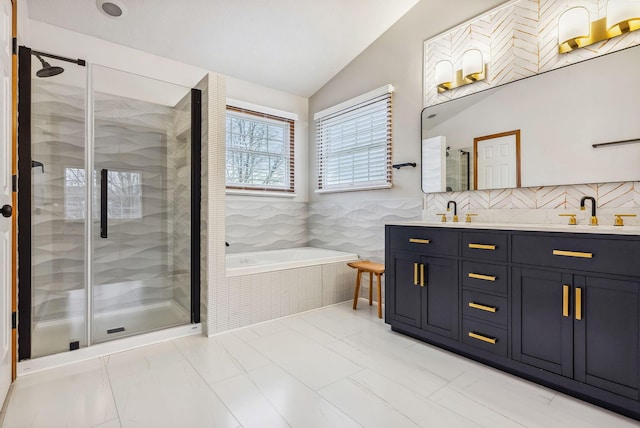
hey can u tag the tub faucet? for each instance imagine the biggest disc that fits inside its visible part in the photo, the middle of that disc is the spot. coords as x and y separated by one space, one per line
594 219
455 210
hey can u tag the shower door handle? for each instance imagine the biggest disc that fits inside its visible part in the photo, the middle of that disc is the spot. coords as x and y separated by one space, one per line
103 202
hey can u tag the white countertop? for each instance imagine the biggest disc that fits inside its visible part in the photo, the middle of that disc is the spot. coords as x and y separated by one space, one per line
580 228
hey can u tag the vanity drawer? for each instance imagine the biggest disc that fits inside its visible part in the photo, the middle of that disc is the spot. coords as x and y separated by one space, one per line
604 255
485 245
424 240
484 336
484 276
485 307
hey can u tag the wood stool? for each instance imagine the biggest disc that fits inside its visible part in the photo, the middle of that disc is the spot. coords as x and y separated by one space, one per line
371 267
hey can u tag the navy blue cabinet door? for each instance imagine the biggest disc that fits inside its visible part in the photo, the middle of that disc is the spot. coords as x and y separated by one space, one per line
606 336
405 302
542 319
440 296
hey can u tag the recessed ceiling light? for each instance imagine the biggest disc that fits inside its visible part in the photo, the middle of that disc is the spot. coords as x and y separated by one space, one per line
111 8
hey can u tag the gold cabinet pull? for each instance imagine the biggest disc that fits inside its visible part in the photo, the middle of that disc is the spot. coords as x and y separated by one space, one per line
482 277
483 307
579 304
565 300
490 340
415 274
421 275
482 247
419 241
572 254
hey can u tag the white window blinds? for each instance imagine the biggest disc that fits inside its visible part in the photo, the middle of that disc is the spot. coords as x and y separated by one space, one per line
260 151
354 143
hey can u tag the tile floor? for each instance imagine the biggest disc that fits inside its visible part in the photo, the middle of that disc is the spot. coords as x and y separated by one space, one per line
331 367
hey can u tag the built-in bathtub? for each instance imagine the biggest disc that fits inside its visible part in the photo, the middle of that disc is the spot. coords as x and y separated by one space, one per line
265 285
290 258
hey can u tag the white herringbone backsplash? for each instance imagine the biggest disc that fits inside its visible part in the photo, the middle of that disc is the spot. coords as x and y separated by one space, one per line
517 40
520 40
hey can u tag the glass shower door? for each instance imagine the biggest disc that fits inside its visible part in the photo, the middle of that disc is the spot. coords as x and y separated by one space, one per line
55 159
141 224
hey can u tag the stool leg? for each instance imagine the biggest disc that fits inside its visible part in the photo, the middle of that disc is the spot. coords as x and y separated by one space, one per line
379 296
355 295
370 288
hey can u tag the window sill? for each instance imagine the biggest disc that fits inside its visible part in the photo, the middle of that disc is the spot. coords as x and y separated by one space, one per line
354 189
260 193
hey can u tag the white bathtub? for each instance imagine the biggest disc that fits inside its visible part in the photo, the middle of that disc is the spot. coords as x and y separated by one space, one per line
291 258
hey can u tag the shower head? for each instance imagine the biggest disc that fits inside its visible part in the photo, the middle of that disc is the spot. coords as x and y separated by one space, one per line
47 70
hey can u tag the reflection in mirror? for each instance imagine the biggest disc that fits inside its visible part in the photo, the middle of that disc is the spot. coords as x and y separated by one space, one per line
561 114
497 160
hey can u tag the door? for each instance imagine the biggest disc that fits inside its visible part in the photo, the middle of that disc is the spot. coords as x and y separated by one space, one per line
405 268
497 160
142 204
440 296
607 334
6 251
543 320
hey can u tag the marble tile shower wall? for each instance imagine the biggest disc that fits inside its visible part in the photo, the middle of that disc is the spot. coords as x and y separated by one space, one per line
259 225
136 252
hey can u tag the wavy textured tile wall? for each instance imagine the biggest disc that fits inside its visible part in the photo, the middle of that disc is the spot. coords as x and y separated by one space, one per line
358 227
258 225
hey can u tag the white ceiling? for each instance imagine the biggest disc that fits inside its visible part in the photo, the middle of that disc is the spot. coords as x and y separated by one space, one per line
291 45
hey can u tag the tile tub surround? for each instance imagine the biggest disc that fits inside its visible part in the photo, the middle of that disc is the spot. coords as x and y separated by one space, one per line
329 367
264 224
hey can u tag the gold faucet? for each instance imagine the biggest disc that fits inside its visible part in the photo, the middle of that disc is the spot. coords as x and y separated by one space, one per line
618 221
594 219
468 217
444 217
572 219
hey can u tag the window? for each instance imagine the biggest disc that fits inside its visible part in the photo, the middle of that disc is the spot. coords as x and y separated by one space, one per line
354 143
259 151
124 194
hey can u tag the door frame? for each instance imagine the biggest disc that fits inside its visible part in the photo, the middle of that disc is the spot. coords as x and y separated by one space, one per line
477 140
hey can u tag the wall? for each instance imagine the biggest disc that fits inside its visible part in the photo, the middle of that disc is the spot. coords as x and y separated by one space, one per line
405 42
256 223
355 220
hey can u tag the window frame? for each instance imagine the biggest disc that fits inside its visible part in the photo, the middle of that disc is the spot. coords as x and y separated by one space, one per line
289 153
353 111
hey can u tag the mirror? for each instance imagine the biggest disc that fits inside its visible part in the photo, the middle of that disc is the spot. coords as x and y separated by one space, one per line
559 115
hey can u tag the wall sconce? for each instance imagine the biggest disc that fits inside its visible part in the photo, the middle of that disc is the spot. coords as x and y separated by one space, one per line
473 70
575 29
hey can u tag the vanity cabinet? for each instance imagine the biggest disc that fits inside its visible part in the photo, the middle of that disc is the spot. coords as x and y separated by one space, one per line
561 309
573 322
425 275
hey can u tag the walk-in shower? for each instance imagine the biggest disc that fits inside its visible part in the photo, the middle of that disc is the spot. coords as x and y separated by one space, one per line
109 192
